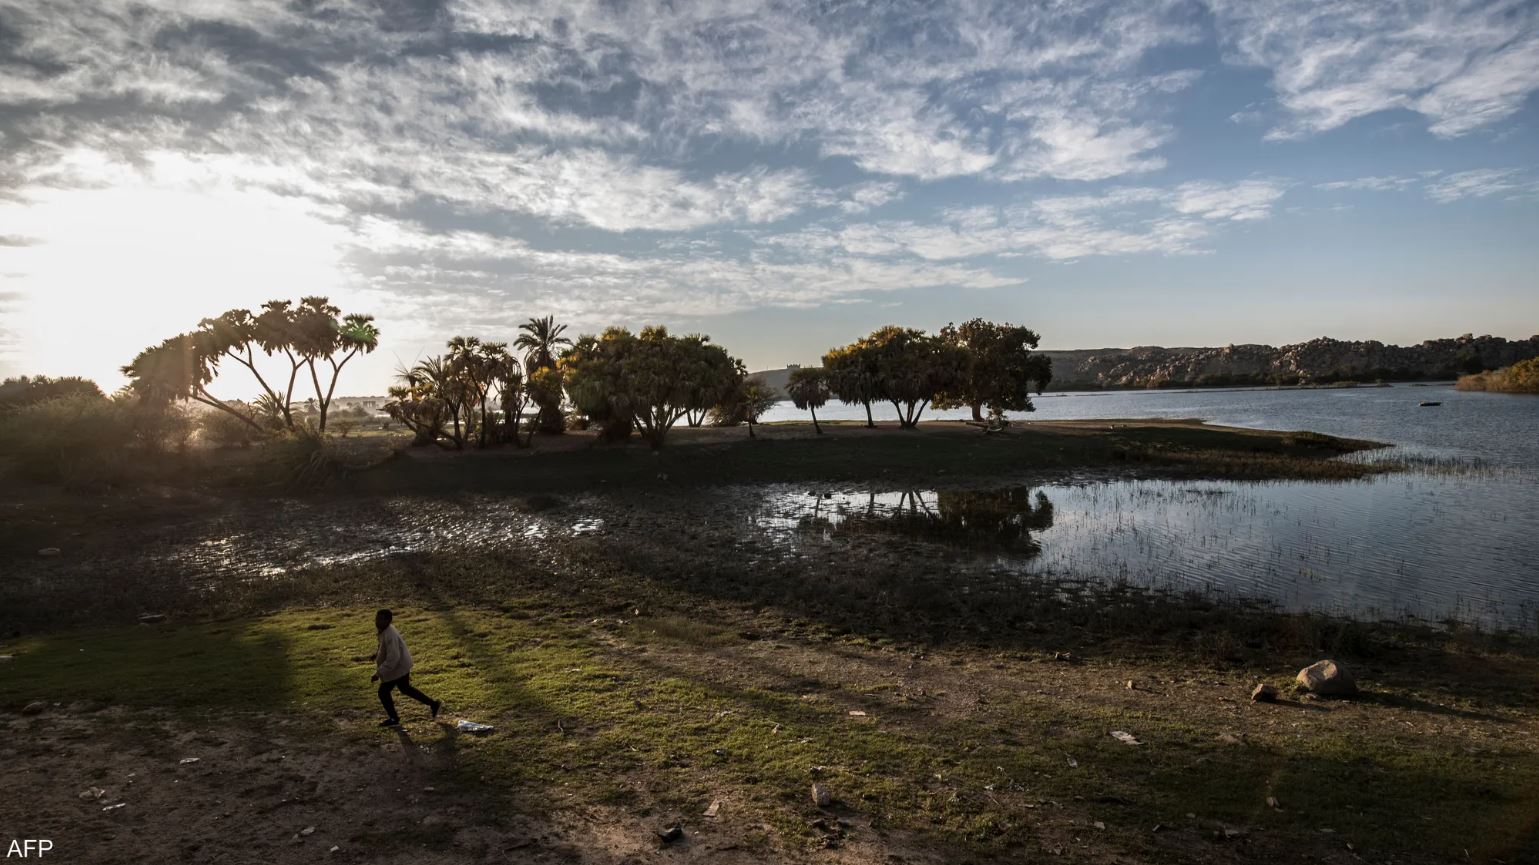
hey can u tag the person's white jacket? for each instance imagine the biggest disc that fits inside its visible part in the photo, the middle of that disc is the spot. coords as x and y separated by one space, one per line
393 659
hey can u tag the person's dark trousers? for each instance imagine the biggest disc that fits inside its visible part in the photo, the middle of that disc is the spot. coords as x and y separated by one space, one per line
402 684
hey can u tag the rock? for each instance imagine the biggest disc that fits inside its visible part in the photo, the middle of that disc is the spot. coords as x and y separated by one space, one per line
152 618
48 552
1263 694
308 830
36 707
1328 679
91 794
671 834
1125 738
821 796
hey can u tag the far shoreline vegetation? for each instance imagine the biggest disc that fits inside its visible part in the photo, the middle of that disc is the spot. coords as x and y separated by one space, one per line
1521 377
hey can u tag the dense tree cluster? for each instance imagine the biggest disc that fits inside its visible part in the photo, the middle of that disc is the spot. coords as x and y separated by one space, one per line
23 391
312 337
978 364
477 392
649 381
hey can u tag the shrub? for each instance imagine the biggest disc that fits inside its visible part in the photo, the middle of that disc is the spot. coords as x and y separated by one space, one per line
85 440
223 430
1521 377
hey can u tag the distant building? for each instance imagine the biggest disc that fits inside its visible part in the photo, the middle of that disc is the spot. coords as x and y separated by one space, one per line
371 404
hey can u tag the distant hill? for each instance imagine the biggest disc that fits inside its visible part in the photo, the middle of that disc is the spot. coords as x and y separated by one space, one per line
1319 361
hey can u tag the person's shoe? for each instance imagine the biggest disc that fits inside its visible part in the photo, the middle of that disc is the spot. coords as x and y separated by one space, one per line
390 722
437 704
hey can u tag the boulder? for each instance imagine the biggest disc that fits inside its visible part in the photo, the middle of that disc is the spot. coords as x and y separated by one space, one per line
1264 694
1327 679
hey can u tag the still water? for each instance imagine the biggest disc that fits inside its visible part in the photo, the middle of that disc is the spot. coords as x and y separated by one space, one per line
1455 536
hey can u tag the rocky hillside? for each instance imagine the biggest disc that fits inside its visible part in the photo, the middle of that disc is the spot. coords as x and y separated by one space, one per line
1319 361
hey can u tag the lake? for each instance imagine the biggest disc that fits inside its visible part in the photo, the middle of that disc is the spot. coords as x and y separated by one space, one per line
1455 536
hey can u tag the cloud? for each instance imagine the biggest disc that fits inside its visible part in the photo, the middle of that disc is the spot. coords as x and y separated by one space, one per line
1446 188
1119 221
1386 183
1461 64
1480 183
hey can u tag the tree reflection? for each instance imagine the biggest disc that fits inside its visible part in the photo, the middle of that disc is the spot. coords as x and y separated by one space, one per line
999 520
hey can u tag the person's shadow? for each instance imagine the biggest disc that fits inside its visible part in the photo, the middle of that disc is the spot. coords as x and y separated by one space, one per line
409 749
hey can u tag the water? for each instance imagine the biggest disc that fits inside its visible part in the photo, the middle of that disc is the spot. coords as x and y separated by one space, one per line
1457 536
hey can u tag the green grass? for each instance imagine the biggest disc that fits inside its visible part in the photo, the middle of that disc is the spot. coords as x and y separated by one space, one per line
664 713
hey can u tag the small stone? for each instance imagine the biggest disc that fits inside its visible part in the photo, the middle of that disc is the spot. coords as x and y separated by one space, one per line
49 552
821 796
671 834
334 848
308 830
152 618
1327 679
1131 685
92 793
36 707
1263 694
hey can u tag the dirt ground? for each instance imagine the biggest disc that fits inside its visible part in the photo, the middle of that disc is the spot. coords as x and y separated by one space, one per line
113 785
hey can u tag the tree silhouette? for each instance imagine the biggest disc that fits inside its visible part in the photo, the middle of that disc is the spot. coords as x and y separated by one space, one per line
808 389
541 341
999 369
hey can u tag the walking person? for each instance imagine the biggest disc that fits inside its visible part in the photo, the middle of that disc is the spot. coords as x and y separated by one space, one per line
393 670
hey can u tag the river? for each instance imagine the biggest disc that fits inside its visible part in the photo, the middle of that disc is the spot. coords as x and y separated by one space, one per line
1456 536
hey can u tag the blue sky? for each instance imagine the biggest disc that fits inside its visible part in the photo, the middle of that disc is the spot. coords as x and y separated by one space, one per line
783 176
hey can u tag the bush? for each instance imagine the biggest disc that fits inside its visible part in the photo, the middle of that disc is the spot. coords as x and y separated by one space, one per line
1521 377
221 429
83 440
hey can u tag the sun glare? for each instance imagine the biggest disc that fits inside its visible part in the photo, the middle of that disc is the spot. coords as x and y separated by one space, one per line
118 262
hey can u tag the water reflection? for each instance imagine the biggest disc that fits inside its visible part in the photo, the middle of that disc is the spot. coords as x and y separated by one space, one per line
988 520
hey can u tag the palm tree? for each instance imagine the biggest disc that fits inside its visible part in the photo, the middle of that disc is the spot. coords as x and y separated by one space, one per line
808 389
541 341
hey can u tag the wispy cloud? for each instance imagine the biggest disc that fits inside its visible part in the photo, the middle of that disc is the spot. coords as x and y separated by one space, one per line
1446 188
1481 183
1120 221
1461 64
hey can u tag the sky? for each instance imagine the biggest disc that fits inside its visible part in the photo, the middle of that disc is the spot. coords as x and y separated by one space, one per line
784 176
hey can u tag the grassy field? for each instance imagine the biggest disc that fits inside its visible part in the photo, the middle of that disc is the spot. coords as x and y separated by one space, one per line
641 711
637 678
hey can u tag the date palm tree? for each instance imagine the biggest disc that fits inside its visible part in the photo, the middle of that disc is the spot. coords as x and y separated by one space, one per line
541 341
